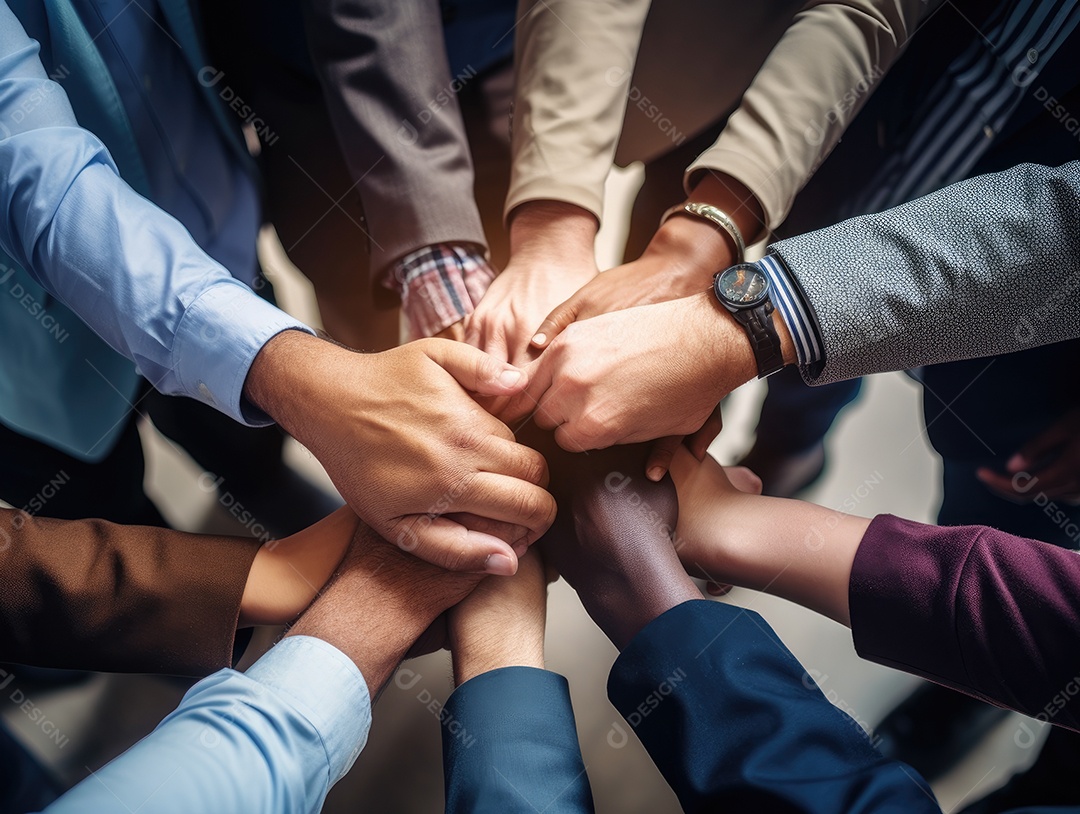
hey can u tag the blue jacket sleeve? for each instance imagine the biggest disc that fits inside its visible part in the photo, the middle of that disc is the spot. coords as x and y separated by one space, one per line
509 744
126 268
274 739
734 723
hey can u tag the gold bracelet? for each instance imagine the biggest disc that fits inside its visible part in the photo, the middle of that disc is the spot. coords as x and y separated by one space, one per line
716 216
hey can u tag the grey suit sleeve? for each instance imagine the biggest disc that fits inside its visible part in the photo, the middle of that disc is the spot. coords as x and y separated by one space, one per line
384 72
988 266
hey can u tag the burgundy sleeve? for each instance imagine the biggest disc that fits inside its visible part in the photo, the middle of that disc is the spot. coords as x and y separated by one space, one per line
990 614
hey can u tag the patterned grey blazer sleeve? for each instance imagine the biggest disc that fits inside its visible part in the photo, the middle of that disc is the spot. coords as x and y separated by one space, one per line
988 266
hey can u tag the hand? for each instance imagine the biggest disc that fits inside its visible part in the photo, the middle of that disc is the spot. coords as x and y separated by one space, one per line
639 374
286 575
729 533
551 256
406 446
424 297
501 623
1048 464
680 260
380 602
716 508
663 449
612 537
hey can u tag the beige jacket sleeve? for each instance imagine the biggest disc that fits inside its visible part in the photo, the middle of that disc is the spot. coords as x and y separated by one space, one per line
810 88
575 57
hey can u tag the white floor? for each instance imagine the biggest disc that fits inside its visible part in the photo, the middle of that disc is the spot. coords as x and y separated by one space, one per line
879 458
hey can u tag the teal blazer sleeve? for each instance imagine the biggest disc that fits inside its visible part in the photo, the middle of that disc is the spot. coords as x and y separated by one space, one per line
510 744
735 723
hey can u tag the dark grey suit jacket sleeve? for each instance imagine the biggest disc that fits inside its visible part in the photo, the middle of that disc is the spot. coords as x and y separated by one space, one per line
988 266
383 67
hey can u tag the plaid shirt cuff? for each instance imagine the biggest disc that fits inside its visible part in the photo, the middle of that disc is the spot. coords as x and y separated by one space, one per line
440 285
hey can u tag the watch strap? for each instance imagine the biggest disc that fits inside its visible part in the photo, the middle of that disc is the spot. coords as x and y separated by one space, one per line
764 340
757 321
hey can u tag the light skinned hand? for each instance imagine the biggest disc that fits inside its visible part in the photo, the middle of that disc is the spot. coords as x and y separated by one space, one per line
679 261
407 446
728 533
638 374
551 256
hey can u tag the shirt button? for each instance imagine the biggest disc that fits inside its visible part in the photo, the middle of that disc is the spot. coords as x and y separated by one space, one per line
1032 56
988 131
204 391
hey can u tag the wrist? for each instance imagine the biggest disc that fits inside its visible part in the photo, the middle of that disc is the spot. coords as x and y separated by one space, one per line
692 246
735 199
481 652
798 551
543 227
732 356
291 377
787 344
372 620
727 356
276 372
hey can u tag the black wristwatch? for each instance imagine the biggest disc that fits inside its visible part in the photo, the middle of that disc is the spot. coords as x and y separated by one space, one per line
744 291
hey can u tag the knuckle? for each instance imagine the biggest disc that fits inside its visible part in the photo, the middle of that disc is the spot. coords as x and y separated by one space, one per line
535 470
591 428
531 507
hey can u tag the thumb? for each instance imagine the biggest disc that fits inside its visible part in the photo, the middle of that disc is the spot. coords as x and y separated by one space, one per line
555 322
475 370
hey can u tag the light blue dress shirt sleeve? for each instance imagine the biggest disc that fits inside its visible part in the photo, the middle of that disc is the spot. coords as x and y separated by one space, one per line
273 740
125 267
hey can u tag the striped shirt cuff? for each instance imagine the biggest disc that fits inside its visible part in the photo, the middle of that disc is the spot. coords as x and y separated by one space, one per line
440 285
789 302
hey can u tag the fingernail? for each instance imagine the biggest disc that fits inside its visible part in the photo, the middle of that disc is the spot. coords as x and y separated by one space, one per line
655 473
500 565
509 377
539 339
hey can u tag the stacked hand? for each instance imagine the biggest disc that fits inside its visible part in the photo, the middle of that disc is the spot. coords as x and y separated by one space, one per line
408 447
612 538
638 374
379 603
680 260
552 257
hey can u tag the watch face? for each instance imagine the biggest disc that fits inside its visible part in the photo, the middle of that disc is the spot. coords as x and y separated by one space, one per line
743 285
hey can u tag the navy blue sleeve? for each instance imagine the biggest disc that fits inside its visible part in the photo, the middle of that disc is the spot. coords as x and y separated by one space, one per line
510 744
734 723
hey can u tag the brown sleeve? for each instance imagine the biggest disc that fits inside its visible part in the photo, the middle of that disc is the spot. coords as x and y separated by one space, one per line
93 595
